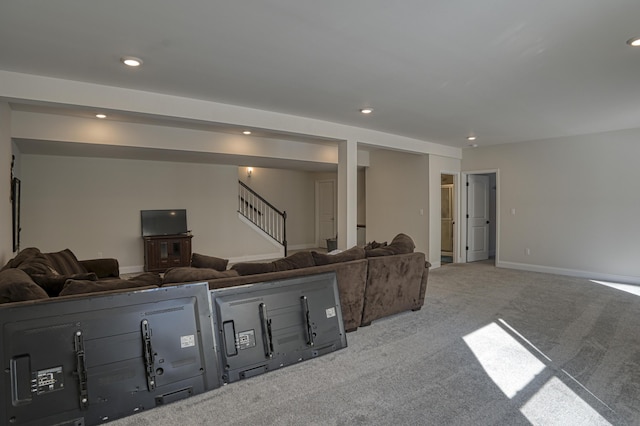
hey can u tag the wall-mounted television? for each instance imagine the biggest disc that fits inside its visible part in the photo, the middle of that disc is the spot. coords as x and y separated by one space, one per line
163 222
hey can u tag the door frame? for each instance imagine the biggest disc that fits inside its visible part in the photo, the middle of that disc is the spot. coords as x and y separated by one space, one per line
455 214
461 255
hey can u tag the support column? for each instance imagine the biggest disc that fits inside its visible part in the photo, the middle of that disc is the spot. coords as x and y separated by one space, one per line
347 194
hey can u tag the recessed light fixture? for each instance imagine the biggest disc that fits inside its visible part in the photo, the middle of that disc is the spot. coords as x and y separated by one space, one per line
471 138
101 116
367 110
246 132
635 42
131 61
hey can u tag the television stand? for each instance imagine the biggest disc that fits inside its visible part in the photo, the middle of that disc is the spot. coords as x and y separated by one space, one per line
162 252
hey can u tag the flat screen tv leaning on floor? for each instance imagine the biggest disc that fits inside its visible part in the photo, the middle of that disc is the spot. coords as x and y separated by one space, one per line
85 361
265 326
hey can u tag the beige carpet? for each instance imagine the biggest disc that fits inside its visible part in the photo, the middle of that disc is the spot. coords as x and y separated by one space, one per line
490 347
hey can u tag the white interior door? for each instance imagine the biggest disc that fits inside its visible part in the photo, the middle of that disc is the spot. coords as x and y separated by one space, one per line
326 209
477 218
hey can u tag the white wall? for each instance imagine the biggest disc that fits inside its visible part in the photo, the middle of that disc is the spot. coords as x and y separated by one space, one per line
576 203
396 194
291 191
92 206
6 235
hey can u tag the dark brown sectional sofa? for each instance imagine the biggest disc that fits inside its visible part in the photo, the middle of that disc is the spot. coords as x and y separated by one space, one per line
373 282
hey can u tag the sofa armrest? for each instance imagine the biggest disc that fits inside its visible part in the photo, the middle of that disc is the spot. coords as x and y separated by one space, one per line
103 268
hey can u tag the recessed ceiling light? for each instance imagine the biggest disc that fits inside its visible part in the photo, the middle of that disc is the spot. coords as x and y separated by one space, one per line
131 61
101 116
367 110
246 132
635 42
471 138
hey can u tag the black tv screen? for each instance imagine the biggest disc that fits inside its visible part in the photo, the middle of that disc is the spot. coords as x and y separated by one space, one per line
163 222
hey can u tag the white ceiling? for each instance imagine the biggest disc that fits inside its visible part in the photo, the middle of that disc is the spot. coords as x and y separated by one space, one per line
505 70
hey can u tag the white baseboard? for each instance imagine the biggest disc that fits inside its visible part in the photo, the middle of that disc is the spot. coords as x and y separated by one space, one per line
256 257
136 269
623 279
435 264
303 246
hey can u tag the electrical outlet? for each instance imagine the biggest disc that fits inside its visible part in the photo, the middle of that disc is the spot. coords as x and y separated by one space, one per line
99 255
527 251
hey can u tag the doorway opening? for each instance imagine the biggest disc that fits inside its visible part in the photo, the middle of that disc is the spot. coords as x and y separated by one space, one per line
447 218
481 216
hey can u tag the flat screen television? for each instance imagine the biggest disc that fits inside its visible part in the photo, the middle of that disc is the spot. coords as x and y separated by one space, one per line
88 360
265 326
163 222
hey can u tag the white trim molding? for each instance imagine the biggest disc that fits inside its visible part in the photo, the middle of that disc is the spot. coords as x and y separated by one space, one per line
622 279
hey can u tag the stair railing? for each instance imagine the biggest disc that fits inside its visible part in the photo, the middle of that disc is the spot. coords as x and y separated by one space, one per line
263 214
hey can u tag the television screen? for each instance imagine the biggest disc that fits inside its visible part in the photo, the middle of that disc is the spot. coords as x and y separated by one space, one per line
163 222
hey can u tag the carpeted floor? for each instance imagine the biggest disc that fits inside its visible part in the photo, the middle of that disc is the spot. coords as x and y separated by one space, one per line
490 347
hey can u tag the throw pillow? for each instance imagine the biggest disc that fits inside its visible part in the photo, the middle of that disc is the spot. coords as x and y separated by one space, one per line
65 262
53 284
103 268
374 244
248 268
400 244
354 253
186 274
72 287
21 257
301 259
37 264
17 286
210 262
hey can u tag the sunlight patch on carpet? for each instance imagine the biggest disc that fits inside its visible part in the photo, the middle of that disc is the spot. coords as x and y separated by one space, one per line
555 404
629 288
505 360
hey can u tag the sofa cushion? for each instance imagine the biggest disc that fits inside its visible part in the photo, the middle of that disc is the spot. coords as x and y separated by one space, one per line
401 244
37 264
65 262
23 255
374 244
103 267
354 253
210 262
73 286
53 284
186 274
17 286
250 268
301 259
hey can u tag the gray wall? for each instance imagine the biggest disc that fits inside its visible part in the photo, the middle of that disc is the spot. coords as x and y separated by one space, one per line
576 203
92 206
397 190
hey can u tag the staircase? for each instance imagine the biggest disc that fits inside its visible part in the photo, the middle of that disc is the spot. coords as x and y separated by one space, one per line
262 214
